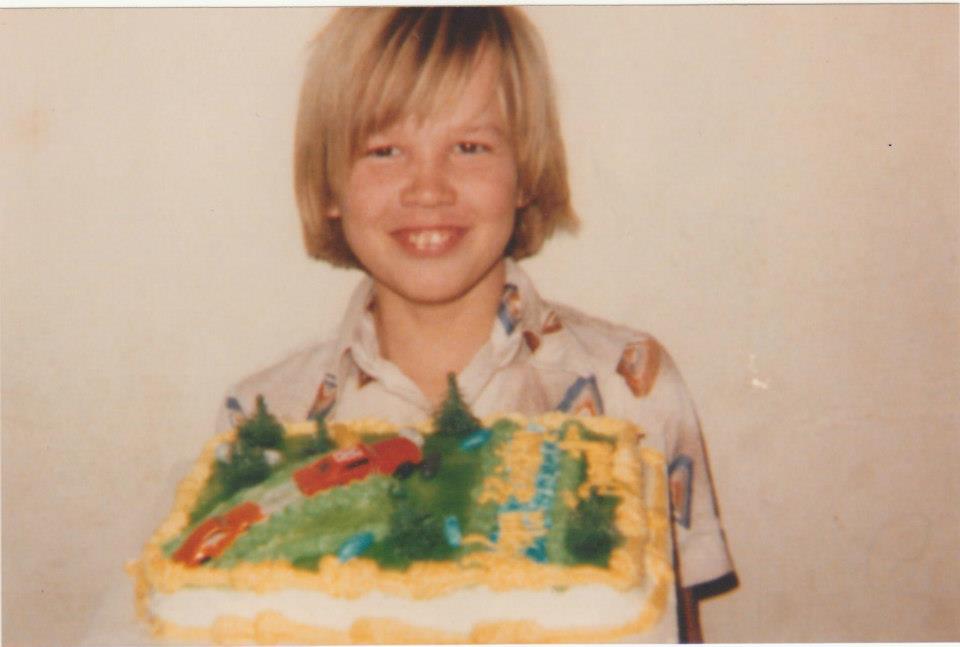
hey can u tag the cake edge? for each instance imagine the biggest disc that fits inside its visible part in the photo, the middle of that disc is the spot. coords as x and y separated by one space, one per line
153 569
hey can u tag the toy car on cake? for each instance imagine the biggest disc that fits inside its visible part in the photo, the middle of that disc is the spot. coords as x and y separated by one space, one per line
353 463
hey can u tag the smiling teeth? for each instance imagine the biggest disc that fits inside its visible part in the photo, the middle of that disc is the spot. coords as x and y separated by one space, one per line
429 239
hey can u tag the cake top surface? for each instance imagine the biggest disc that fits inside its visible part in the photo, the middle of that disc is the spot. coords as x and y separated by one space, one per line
506 502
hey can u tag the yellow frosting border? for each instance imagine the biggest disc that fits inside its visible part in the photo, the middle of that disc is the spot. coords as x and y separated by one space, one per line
645 552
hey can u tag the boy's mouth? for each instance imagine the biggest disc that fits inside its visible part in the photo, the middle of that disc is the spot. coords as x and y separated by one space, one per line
429 241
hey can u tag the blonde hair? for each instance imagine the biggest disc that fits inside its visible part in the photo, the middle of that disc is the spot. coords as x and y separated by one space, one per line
371 66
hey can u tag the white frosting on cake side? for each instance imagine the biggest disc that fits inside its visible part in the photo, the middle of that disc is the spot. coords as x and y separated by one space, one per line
577 607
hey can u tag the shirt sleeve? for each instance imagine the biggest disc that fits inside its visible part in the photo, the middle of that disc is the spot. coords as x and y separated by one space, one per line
701 544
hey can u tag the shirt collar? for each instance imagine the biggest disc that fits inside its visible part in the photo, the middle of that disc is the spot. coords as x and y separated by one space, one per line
356 334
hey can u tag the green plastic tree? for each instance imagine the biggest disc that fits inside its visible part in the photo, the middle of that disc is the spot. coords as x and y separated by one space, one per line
262 430
416 534
454 418
248 467
591 533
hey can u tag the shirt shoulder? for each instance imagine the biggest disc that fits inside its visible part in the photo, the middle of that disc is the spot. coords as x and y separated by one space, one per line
612 352
601 340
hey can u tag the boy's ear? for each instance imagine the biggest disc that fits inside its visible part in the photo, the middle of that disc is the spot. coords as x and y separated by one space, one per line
522 200
334 211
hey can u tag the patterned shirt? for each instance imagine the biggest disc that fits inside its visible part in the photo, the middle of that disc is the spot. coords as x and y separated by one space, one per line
540 356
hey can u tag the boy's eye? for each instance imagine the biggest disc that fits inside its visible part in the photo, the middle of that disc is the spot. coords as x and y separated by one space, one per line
471 148
383 151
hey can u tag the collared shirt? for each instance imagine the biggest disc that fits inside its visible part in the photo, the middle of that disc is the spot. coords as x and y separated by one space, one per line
540 356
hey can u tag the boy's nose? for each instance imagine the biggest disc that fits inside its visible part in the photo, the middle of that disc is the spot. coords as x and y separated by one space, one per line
429 186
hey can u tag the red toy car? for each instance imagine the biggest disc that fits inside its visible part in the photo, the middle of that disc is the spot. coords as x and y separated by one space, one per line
353 463
214 535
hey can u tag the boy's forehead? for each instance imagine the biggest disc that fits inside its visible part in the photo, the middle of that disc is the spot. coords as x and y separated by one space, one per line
474 101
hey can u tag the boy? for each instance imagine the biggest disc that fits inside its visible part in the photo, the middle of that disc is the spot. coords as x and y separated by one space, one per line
428 155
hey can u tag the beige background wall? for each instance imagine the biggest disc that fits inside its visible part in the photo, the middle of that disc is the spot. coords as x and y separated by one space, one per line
773 191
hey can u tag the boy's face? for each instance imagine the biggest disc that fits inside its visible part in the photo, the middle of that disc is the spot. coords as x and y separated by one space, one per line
428 208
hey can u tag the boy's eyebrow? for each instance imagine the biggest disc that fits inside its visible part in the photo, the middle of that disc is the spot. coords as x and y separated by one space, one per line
481 127
467 127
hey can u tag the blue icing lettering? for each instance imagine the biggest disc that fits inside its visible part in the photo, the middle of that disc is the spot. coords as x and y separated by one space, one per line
476 439
542 500
537 551
354 546
545 491
451 531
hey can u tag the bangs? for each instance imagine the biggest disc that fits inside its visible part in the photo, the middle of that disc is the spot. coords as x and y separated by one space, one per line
421 63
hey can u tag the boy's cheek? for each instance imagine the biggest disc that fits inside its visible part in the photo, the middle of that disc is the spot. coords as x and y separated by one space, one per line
365 188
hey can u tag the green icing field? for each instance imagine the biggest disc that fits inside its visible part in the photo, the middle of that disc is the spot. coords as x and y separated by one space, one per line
316 525
402 520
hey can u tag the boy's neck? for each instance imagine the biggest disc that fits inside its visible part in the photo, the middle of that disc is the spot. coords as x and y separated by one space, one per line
428 341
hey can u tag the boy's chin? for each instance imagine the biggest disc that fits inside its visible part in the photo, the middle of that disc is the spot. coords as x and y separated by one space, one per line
441 288
426 295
